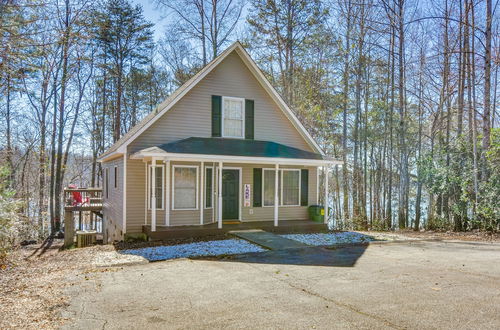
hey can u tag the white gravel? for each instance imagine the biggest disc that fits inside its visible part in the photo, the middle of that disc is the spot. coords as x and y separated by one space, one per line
320 239
210 248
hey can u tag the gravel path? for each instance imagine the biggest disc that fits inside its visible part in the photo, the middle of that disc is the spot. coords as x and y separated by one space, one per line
211 248
320 239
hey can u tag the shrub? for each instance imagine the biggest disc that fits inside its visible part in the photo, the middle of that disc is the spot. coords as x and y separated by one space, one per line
9 214
139 237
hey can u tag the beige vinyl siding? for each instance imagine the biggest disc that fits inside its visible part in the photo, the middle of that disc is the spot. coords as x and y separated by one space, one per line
284 212
113 205
136 199
177 217
136 195
191 116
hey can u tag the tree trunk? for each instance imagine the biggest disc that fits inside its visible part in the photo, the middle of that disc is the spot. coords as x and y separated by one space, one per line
391 147
8 134
345 175
419 147
487 87
64 79
404 184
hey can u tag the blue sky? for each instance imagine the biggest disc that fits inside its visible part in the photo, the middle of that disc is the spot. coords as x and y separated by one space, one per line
157 16
153 15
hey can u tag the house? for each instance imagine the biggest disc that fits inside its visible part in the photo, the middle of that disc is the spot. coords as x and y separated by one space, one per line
224 146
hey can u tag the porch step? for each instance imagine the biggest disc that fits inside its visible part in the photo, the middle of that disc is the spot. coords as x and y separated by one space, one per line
268 240
285 227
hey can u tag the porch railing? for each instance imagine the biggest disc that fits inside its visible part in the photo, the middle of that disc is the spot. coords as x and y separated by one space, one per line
83 199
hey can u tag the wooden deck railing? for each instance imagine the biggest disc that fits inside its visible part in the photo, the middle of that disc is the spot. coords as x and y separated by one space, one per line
84 204
83 199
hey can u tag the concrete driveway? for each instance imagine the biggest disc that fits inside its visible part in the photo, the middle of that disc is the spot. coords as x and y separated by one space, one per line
410 285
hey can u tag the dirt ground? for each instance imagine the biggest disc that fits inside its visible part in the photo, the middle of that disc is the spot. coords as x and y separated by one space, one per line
33 280
40 286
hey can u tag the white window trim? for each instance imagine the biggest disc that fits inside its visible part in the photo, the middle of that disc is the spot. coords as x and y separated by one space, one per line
162 184
281 186
205 188
197 186
300 181
242 100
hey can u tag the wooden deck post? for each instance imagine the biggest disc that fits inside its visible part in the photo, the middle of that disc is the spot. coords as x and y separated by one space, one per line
69 229
276 200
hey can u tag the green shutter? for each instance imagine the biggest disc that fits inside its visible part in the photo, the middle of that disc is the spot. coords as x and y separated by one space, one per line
304 187
249 119
257 187
216 115
208 188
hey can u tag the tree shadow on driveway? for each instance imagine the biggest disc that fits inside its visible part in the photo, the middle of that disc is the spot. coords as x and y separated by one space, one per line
342 256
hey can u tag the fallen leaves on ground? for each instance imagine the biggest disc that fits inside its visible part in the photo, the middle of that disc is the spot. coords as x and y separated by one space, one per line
33 280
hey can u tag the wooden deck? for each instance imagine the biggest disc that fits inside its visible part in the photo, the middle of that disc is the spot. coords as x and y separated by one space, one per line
285 226
76 202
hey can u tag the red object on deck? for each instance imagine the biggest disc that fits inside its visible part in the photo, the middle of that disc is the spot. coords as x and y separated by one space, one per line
77 196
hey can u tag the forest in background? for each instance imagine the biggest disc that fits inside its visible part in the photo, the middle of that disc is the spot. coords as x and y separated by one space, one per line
405 92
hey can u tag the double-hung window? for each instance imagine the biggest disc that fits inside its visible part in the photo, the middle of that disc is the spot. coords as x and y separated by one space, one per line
159 179
185 187
233 117
268 177
288 187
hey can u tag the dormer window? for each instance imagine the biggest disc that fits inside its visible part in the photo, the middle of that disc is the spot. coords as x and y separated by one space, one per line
233 117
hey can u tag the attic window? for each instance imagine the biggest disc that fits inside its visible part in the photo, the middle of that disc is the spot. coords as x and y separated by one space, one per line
233 117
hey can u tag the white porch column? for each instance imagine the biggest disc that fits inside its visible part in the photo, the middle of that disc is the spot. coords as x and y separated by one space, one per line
276 200
153 194
202 192
167 193
219 199
124 210
325 202
214 191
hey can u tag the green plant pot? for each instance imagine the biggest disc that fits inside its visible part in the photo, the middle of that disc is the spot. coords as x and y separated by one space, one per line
316 213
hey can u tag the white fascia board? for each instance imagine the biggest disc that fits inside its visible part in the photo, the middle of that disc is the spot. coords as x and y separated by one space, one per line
235 159
113 155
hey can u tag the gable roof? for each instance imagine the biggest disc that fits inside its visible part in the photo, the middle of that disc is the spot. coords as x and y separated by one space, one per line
236 147
119 147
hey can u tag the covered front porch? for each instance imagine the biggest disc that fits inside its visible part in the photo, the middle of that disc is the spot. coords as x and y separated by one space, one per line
214 184
285 226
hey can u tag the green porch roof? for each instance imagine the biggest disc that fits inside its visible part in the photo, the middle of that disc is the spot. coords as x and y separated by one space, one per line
237 147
